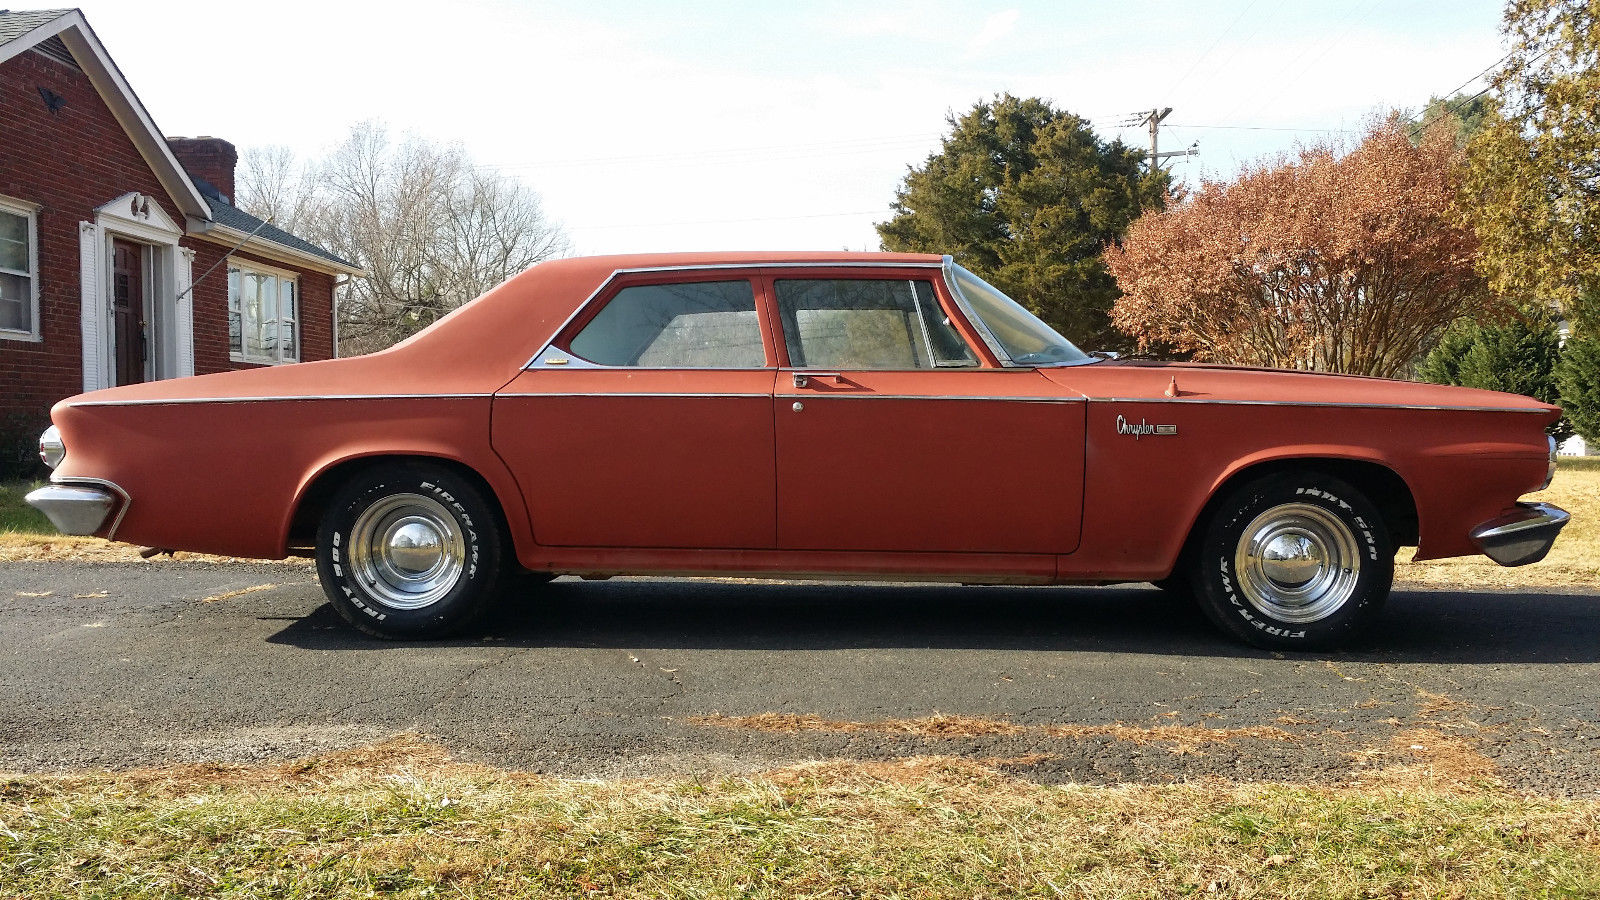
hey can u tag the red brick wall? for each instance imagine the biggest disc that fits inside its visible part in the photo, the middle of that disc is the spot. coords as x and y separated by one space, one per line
210 158
70 163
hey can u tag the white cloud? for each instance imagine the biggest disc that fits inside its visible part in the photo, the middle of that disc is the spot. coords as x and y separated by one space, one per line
995 28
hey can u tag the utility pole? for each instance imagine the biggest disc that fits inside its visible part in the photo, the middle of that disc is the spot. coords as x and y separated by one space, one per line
1154 118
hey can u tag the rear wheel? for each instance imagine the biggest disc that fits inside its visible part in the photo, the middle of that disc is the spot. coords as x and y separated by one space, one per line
1294 561
409 550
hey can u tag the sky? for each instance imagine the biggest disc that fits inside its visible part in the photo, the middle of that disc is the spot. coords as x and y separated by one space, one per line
651 126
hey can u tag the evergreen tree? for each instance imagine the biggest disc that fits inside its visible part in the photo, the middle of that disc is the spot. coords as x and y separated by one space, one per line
1027 197
1443 363
1578 377
1578 373
1518 356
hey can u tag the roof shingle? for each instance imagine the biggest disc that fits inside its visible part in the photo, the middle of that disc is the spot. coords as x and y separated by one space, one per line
15 23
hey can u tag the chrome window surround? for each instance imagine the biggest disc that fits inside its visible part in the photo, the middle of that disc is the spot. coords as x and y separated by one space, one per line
756 267
922 325
788 397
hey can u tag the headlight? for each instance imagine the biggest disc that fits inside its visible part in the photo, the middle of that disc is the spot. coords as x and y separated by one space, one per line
51 449
1550 475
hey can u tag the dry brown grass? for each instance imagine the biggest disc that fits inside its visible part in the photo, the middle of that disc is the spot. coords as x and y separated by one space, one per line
942 726
403 820
23 547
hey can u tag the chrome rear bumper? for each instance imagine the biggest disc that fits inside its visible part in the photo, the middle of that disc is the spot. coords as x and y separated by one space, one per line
1523 536
78 508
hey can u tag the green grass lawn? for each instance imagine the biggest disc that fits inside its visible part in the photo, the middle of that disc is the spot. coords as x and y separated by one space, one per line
16 515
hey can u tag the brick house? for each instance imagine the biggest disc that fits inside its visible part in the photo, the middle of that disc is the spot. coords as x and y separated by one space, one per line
121 257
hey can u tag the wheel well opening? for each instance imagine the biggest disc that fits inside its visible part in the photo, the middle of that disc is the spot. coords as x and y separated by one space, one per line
1387 491
314 502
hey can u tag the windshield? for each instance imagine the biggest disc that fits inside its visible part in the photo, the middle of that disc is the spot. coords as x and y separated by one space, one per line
1019 333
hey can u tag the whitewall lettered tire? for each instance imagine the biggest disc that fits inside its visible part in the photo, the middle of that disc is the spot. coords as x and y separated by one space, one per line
410 550
1296 560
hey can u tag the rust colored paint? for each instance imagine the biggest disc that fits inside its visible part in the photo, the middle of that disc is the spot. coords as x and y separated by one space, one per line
1080 473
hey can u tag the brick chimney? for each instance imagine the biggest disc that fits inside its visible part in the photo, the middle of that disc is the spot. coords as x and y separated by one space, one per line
210 158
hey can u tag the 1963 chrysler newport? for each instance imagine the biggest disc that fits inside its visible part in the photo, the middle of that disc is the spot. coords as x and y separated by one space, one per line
828 415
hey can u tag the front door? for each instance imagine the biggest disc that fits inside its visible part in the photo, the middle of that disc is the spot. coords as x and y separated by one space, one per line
892 437
128 310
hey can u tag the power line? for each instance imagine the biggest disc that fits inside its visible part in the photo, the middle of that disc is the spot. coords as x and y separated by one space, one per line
1268 128
839 215
1453 107
735 154
1201 58
1285 83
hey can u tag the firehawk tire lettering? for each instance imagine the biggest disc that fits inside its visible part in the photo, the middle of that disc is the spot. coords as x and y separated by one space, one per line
368 584
1283 526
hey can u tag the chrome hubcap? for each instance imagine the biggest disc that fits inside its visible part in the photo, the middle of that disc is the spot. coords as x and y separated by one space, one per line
408 550
1297 563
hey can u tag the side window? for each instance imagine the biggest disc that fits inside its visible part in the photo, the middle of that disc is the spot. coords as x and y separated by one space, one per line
19 274
867 324
694 325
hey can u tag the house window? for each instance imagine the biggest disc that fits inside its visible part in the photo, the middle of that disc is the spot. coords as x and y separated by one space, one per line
19 273
263 315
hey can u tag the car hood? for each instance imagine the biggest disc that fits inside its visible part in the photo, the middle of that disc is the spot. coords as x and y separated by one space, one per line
1114 380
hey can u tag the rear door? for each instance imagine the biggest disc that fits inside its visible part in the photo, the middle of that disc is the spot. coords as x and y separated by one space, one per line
648 422
894 433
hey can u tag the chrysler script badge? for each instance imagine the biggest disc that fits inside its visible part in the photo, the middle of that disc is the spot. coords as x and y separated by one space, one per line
1141 428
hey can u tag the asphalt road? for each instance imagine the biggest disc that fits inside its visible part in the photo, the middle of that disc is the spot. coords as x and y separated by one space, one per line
134 664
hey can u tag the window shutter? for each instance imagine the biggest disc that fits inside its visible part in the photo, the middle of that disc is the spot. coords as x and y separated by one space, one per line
92 304
184 313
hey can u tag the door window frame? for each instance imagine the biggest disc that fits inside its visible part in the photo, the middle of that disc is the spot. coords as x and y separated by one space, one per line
931 273
559 347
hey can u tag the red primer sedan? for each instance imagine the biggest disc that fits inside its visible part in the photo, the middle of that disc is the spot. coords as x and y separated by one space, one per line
810 415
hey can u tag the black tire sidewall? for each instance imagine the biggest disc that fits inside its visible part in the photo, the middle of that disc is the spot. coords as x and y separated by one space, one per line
464 603
1215 581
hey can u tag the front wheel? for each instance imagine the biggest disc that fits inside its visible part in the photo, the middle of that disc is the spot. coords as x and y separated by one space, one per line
409 550
1294 561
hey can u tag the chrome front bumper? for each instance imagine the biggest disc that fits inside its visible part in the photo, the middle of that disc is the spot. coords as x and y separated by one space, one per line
1521 537
78 508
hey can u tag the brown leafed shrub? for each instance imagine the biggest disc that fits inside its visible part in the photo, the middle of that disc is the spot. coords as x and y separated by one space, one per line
1350 262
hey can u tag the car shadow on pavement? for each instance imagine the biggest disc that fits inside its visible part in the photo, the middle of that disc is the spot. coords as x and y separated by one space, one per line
1417 626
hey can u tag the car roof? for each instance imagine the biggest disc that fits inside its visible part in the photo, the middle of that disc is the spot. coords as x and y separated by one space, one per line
749 258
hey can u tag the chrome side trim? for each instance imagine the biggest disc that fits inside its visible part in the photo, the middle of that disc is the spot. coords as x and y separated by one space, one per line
179 401
70 491
1175 401
829 396
1523 536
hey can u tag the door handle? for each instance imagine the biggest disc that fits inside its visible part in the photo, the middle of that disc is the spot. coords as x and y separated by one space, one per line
803 379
